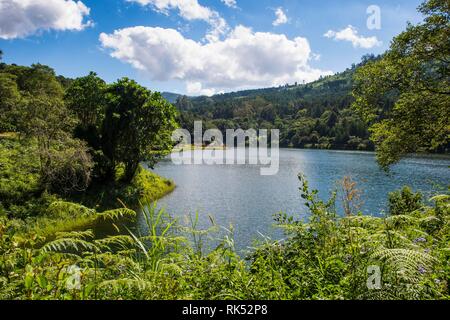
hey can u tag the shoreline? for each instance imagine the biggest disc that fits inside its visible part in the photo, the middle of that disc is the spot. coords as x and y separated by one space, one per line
150 187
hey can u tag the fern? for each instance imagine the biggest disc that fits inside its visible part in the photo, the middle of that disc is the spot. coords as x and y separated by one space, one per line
409 264
67 244
64 208
121 241
88 234
117 214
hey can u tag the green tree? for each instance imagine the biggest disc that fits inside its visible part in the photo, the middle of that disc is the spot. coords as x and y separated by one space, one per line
9 98
64 162
86 98
40 80
405 95
137 127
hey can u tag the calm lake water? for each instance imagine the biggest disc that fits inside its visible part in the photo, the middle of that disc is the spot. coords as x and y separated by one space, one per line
240 196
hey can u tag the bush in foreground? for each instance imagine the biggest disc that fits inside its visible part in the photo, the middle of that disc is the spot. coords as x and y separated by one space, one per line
326 257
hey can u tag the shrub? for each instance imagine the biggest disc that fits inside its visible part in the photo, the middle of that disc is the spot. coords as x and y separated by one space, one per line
404 201
68 169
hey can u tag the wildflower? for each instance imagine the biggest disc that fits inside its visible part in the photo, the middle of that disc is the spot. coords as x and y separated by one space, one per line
422 270
418 240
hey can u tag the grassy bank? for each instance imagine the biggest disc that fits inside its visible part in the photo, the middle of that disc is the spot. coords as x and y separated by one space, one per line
42 214
114 194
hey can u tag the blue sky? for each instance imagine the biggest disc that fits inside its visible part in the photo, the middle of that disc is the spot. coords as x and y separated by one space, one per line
198 46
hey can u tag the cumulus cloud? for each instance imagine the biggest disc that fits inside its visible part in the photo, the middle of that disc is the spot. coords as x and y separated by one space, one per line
230 3
351 34
191 10
281 17
21 18
244 59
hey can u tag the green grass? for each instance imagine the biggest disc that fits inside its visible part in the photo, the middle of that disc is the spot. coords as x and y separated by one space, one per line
114 194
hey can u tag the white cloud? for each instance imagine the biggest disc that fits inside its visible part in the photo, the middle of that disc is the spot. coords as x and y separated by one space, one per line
196 89
244 59
230 3
191 10
351 34
21 18
281 17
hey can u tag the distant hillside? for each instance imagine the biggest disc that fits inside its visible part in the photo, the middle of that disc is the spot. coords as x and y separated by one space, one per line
314 115
171 97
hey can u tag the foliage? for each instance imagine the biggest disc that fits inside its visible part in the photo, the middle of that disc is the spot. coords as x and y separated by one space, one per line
326 257
404 201
19 180
10 96
404 96
86 98
83 131
112 194
68 168
138 126
315 115
23 194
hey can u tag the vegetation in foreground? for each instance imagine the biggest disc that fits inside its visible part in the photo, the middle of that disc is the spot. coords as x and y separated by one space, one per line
326 257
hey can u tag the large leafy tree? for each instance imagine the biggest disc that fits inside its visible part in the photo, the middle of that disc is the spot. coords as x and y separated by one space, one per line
65 165
138 126
85 97
40 80
42 116
405 95
9 98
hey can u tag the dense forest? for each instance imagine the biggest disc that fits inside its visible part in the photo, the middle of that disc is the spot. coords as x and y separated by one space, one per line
314 115
71 155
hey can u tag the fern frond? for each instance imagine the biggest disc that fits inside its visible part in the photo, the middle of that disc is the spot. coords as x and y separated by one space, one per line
117 214
70 208
410 264
401 220
88 234
66 244
121 241
128 283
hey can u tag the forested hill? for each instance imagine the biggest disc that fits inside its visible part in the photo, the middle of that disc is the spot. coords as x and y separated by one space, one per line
170 96
314 115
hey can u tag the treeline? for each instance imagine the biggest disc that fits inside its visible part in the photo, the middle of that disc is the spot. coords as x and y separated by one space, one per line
314 115
81 140
84 128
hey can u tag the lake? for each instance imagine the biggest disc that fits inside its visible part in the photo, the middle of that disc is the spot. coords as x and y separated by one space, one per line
240 196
